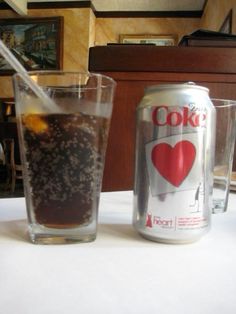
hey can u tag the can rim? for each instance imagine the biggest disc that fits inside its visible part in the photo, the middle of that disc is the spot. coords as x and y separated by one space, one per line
187 85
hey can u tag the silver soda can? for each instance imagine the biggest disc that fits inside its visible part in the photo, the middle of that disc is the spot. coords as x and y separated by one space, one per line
175 139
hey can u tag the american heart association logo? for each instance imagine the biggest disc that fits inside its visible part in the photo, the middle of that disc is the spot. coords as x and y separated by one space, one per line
174 163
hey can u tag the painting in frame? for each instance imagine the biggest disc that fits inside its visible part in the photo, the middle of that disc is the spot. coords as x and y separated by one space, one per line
158 40
35 42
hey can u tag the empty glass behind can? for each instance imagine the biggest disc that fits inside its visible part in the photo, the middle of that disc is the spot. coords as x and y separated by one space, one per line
175 139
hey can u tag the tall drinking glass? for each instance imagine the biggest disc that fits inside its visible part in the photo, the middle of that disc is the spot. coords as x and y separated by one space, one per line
224 152
63 150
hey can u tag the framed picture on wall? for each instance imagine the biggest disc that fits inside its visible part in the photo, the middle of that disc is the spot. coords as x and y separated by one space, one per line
35 42
158 40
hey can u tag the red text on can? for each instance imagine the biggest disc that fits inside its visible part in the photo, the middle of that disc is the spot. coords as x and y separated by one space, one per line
164 115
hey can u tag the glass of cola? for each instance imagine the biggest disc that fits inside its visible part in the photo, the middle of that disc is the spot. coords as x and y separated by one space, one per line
62 151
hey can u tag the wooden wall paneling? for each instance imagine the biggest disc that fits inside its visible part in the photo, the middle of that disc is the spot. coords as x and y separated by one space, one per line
150 58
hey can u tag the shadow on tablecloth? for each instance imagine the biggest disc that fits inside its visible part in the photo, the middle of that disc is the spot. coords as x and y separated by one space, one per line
15 230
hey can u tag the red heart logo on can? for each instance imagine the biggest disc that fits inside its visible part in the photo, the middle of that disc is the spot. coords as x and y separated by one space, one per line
174 163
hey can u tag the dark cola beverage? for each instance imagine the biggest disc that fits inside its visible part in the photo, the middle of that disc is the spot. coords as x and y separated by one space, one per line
174 163
64 159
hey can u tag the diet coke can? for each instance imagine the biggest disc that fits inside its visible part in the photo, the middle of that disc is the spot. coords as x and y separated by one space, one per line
175 139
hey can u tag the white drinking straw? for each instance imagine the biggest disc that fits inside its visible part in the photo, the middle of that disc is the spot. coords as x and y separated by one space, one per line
16 65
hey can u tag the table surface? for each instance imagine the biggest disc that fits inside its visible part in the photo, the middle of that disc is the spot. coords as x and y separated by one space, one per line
120 272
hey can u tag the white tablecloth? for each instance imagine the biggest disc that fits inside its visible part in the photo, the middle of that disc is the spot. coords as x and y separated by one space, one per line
120 272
